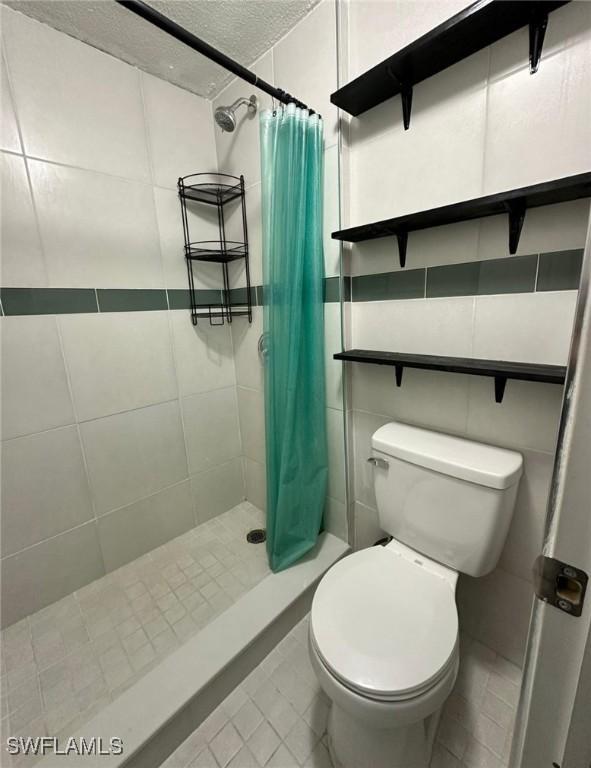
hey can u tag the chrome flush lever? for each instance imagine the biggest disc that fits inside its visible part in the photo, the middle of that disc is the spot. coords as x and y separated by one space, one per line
381 463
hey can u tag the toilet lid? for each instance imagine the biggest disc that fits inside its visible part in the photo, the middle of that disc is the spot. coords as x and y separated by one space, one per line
384 625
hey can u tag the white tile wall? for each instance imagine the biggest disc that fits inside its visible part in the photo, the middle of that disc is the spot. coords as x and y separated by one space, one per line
535 326
47 467
75 105
204 225
35 577
97 230
217 490
22 257
9 135
336 454
252 423
530 117
379 29
212 431
422 326
35 392
180 131
204 355
390 166
332 266
314 82
112 367
153 520
255 480
255 235
332 344
245 338
134 454
549 228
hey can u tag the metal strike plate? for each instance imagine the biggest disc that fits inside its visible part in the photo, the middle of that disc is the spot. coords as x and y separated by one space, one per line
560 584
381 463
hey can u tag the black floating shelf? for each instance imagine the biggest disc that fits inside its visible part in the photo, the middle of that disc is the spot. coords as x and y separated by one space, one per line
471 30
500 370
514 202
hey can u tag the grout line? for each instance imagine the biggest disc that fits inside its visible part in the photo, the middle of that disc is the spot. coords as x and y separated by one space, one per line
92 522
172 341
537 273
110 512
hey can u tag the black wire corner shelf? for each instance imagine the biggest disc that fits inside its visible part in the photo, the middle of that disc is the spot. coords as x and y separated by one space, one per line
218 314
211 193
500 370
472 29
215 189
513 202
211 250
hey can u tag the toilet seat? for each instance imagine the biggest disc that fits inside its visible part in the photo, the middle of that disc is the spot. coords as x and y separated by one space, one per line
384 625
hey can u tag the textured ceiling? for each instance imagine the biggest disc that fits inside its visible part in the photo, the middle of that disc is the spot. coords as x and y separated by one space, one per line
242 29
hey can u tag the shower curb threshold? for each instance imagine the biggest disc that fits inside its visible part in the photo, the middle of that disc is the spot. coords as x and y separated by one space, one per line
156 714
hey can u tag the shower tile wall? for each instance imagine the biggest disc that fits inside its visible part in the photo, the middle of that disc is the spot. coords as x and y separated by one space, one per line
482 126
120 429
303 62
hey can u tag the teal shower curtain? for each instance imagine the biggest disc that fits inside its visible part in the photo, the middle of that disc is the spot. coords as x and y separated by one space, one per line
293 276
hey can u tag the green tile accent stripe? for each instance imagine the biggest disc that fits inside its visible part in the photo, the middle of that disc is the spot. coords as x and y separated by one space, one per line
238 296
130 300
556 271
478 278
179 298
560 271
403 284
47 301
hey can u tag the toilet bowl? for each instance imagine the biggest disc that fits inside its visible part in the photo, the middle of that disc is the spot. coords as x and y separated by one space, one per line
383 642
383 636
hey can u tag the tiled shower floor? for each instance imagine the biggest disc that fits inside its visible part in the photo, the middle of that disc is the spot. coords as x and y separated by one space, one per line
64 663
277 717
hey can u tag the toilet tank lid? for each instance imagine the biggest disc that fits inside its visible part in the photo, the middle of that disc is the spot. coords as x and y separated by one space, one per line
455 456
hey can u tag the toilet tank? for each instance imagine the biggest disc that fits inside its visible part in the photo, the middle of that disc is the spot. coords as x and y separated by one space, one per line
449 498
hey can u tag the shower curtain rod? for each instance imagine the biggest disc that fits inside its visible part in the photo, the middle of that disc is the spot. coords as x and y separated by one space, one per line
156 18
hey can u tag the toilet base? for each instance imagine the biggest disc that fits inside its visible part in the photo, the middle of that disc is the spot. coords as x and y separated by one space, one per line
354 744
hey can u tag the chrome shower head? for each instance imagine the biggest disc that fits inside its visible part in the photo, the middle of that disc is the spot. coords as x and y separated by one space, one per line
225 117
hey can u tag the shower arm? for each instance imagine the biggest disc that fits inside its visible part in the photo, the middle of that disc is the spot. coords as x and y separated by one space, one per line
158 19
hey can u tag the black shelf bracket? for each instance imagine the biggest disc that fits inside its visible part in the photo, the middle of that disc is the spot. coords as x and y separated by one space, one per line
406 96
402 239
398 369
516 219
405 90
500 382
537 32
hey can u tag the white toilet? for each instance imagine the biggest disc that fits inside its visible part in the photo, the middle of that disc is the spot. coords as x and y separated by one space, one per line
384 624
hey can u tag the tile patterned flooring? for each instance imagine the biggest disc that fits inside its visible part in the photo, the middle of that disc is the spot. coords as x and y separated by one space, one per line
277 717
64 663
